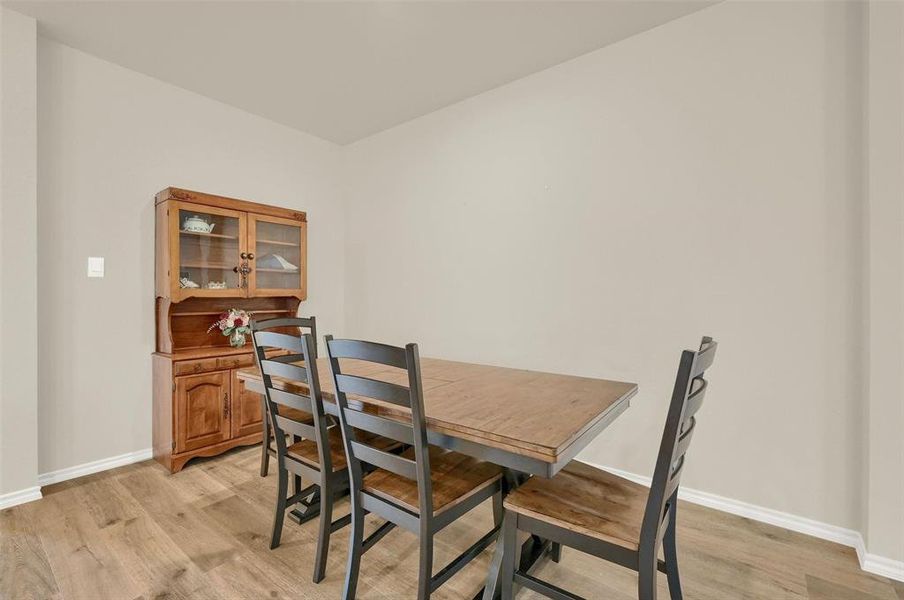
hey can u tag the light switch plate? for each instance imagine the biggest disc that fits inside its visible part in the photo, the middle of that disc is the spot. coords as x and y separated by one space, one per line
95 266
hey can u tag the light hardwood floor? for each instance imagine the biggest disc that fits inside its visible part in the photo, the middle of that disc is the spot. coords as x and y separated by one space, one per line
138 532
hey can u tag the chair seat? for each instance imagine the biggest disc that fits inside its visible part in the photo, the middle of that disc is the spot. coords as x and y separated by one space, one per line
306 450
454 477
585 500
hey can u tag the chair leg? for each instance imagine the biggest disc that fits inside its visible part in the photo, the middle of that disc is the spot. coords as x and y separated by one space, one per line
326 521
670 550
282 491
425 570
355 550
509 551
296 479
646 581
265 441
556 552
497 508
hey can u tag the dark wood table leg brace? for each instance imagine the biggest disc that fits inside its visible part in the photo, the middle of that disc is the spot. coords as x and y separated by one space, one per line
311 504
533 549
311 508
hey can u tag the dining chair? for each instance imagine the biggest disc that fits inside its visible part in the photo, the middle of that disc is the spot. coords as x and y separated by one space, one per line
316 451
424 489
606 515
299 323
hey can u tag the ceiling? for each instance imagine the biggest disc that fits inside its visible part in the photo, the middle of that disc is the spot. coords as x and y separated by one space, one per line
344 70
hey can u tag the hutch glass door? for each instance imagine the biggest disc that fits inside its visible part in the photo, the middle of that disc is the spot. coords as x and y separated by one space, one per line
278 251
209 258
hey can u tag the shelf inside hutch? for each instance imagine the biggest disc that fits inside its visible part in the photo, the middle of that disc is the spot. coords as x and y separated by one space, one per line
183 326
210 235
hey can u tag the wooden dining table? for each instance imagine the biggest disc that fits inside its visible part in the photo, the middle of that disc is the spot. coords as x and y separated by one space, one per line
529 422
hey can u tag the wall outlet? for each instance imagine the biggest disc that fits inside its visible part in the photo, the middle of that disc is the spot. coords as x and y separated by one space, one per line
95 266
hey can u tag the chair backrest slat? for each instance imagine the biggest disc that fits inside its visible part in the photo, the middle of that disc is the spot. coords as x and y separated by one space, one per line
394 430
687 398
283 341
285 323
372 388
371 352
695 400
300 366
278 368
675 478
412 397
684 441
296 401
391 462
287 358
705 357
293 427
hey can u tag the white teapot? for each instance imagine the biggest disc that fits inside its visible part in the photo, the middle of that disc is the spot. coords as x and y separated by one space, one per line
197 224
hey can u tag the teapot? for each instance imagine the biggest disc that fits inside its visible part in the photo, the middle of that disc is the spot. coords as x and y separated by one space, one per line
197 224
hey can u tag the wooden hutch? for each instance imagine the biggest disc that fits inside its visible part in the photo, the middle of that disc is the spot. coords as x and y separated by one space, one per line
214 253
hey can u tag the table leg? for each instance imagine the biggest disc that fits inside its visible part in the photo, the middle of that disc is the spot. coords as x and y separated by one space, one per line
311 505
311 509
531 550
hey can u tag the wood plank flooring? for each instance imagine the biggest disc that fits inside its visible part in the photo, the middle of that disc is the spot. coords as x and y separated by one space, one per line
138 532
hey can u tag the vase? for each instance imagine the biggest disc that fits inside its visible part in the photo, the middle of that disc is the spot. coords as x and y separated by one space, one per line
236 339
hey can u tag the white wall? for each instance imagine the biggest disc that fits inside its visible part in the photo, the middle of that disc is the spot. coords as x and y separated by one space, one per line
108 140
18 240
715 160
600 216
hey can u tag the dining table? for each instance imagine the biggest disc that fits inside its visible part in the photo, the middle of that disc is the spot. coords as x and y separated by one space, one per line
531 423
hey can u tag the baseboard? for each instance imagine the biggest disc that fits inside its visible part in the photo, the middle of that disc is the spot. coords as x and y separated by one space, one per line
19 497
872 563
880 565
94 467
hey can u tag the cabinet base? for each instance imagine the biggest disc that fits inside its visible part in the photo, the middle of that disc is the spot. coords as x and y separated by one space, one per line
176 462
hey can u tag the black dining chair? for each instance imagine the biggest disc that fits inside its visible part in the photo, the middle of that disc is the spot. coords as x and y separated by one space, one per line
298 324
316 451
422 490
606 515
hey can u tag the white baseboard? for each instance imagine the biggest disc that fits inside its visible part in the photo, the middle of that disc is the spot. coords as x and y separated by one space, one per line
880 565
872 563
94 467
20 497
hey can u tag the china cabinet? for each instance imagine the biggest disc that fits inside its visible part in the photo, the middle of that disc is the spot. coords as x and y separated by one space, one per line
214 253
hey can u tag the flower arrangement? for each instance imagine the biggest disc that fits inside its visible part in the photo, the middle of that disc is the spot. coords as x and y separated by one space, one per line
234 323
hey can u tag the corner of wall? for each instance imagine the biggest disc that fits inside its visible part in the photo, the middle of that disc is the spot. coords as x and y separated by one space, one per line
18 248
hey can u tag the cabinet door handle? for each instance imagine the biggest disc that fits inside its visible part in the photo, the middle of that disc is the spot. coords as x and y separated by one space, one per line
244 255
251 256
226 406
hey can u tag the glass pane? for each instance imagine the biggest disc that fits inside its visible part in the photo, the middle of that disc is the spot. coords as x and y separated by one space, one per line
208 250
277 257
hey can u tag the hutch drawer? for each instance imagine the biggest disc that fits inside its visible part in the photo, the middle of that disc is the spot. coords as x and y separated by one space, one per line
191 367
